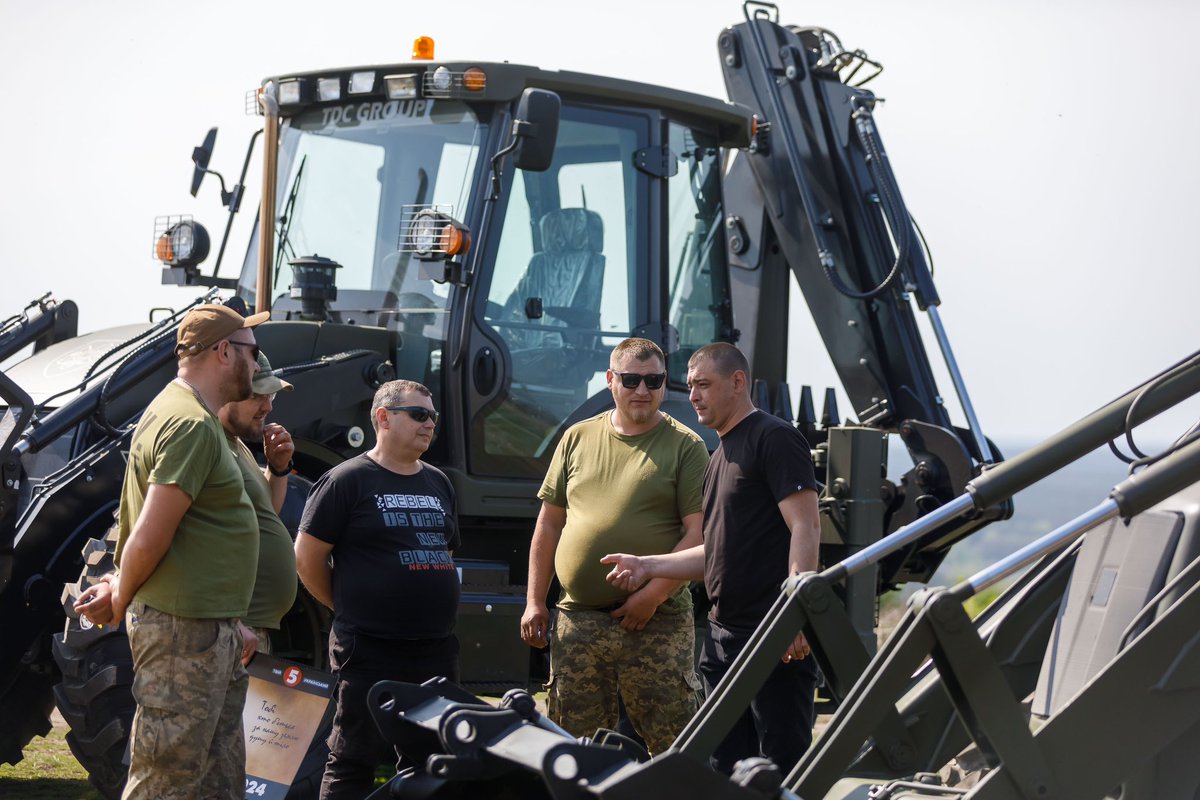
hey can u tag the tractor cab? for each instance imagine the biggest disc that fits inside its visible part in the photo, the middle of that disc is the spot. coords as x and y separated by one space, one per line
507 226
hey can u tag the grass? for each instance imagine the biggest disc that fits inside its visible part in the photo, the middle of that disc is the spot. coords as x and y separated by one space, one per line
48 771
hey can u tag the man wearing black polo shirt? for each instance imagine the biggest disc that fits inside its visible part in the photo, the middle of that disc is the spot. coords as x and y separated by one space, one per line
761 525
388 520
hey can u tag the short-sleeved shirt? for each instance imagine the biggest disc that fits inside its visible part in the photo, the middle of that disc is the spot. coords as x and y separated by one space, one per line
623 494
760 462
275 580
392 537
208 570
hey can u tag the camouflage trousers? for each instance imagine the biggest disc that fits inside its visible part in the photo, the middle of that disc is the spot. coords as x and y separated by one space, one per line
592 658
264 639
190 688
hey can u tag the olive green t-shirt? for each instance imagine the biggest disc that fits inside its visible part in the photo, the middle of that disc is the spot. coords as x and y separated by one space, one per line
275 581
623 494
208 570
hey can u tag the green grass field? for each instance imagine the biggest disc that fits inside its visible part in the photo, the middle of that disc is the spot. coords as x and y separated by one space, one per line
48 771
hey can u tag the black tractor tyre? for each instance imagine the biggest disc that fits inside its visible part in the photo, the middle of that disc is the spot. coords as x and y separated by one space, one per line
25 709
95 696
96 700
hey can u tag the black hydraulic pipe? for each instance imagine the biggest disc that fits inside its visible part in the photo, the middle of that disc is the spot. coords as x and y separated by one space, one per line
1130 497
15 397
26 332
10 472
891 205
1160 480
787 136
1058 538
701 735
1004 480
76 410
1102 425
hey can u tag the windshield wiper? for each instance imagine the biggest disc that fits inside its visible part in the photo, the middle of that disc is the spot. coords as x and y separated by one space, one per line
285 221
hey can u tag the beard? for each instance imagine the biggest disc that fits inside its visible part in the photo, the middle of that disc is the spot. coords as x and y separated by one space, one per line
243 387
245 427
639 413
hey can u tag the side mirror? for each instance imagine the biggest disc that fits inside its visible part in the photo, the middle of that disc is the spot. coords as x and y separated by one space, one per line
533 136
535 129
200 157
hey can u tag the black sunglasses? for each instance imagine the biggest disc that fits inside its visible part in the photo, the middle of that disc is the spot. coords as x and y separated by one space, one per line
253 347
654 380
418 413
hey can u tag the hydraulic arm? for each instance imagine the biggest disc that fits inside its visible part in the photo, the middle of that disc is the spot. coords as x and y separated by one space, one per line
41 323
460 738
832 203
824 205
809 603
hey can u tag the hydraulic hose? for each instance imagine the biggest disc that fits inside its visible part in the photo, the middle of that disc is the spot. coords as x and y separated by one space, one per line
892 204
22 329
1130 497
111 383
100 364
995 485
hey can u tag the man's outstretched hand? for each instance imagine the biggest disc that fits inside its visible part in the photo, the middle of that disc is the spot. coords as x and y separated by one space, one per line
628 573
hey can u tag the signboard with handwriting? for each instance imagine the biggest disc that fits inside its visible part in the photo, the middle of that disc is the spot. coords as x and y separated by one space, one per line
285 705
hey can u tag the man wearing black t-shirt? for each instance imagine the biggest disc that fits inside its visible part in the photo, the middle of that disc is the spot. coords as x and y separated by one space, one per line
760 525
388 521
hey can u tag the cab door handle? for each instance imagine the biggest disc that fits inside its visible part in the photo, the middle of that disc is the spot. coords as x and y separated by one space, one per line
485 371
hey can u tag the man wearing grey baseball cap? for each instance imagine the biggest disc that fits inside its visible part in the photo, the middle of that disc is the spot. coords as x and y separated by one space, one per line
246 421
187 550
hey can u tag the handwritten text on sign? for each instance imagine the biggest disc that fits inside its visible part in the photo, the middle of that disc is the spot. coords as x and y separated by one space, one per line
285 706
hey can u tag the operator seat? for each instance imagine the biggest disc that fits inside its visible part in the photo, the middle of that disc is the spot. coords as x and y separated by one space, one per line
567 275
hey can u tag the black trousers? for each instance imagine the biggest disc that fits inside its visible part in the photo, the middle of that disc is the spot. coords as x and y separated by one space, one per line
778 723
356 747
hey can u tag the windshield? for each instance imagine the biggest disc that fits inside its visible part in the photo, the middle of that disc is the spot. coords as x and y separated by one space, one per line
350 178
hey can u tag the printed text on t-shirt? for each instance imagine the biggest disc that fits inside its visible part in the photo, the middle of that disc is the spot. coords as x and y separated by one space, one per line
389 501
433 559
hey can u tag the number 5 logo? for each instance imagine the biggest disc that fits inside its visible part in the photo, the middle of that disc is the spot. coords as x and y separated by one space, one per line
292 676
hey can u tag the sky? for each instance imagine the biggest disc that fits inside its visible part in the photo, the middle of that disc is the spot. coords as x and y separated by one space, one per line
1047 149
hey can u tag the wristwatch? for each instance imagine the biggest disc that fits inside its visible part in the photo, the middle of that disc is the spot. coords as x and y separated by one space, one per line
282 473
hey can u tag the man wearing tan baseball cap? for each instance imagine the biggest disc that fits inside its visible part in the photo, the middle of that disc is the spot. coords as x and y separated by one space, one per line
208 329
187 551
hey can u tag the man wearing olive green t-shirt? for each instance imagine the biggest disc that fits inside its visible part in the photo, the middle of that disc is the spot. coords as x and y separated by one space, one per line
186 554
631 477
275 579
246 421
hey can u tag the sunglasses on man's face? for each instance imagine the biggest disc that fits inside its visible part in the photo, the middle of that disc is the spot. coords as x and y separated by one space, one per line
253 347
654 380
418 413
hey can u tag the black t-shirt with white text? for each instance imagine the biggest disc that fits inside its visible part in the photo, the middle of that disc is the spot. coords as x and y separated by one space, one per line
760 462
392 534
